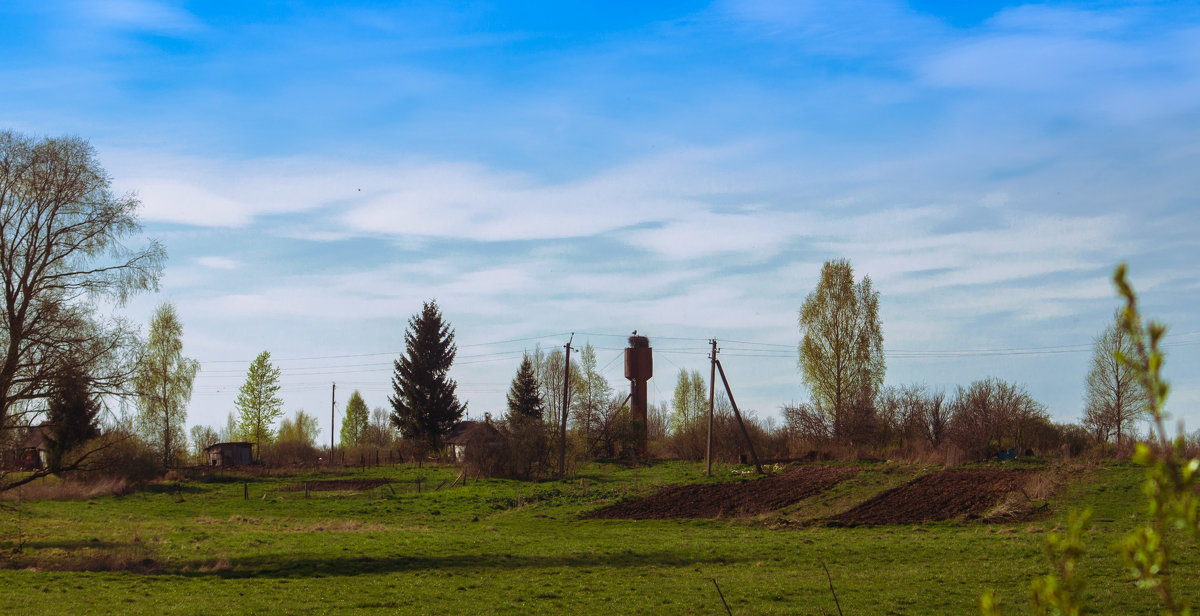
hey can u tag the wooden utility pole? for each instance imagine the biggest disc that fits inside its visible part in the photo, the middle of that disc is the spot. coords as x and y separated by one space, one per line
562 431
738 414
712 398
332 410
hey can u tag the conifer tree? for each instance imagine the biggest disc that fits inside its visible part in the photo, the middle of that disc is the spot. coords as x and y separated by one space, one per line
424 404
524 400
71 415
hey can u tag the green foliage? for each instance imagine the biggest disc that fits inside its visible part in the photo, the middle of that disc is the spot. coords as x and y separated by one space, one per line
1061 593
591 400
424 403
258 402
689 404
163 382
524 400
354 425
1171 475
1169 487
841 354
295 442
302 428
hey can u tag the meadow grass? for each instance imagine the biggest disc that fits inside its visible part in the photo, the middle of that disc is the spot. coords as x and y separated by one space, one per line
500 546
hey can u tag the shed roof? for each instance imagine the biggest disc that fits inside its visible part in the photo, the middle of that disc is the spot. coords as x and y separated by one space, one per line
224 445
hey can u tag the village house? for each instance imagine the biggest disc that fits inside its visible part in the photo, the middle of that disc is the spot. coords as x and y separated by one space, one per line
469 437
30 454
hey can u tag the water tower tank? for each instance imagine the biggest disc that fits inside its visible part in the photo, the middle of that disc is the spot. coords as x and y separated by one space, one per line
639 360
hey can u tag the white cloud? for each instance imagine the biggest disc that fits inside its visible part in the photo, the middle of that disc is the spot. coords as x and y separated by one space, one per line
437 199
1030 63
219 263
172 200
474 202
755 234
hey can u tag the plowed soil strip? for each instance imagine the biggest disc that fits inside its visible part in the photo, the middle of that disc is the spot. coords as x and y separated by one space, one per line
714 500
338 485
945 495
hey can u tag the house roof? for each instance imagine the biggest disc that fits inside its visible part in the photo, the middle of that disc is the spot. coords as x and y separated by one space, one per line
36 439
465 432
224 445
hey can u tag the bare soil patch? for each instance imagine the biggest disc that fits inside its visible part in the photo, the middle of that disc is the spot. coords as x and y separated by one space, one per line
715 500
945 495
338 485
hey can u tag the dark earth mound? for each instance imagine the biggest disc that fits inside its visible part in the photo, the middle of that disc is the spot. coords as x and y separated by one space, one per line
714 500
945 495
338 485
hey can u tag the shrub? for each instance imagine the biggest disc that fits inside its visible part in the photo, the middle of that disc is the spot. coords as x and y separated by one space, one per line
292 452
117 454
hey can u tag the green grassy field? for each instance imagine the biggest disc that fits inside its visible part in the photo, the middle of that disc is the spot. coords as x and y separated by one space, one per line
496 546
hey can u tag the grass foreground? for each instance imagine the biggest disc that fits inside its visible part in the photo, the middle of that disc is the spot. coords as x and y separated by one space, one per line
228 544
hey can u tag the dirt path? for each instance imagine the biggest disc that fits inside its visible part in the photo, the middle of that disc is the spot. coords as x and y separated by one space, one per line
945 495
715 500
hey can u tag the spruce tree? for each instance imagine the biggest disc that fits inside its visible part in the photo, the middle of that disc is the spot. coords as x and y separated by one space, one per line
524 401
71 416
424 404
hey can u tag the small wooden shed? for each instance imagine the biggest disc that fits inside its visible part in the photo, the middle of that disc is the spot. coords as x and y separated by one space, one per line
230 454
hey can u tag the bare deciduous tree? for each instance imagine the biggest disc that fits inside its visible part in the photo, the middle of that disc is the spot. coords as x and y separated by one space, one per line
1114 400
806 425
993 414
61 252
937 418
203 437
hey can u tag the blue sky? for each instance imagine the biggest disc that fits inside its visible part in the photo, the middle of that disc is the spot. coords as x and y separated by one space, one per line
317 170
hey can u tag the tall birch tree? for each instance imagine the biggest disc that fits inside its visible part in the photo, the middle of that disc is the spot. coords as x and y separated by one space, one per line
163 383
841 353
258 402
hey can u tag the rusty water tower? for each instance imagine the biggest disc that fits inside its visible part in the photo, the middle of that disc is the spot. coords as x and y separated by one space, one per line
639 367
